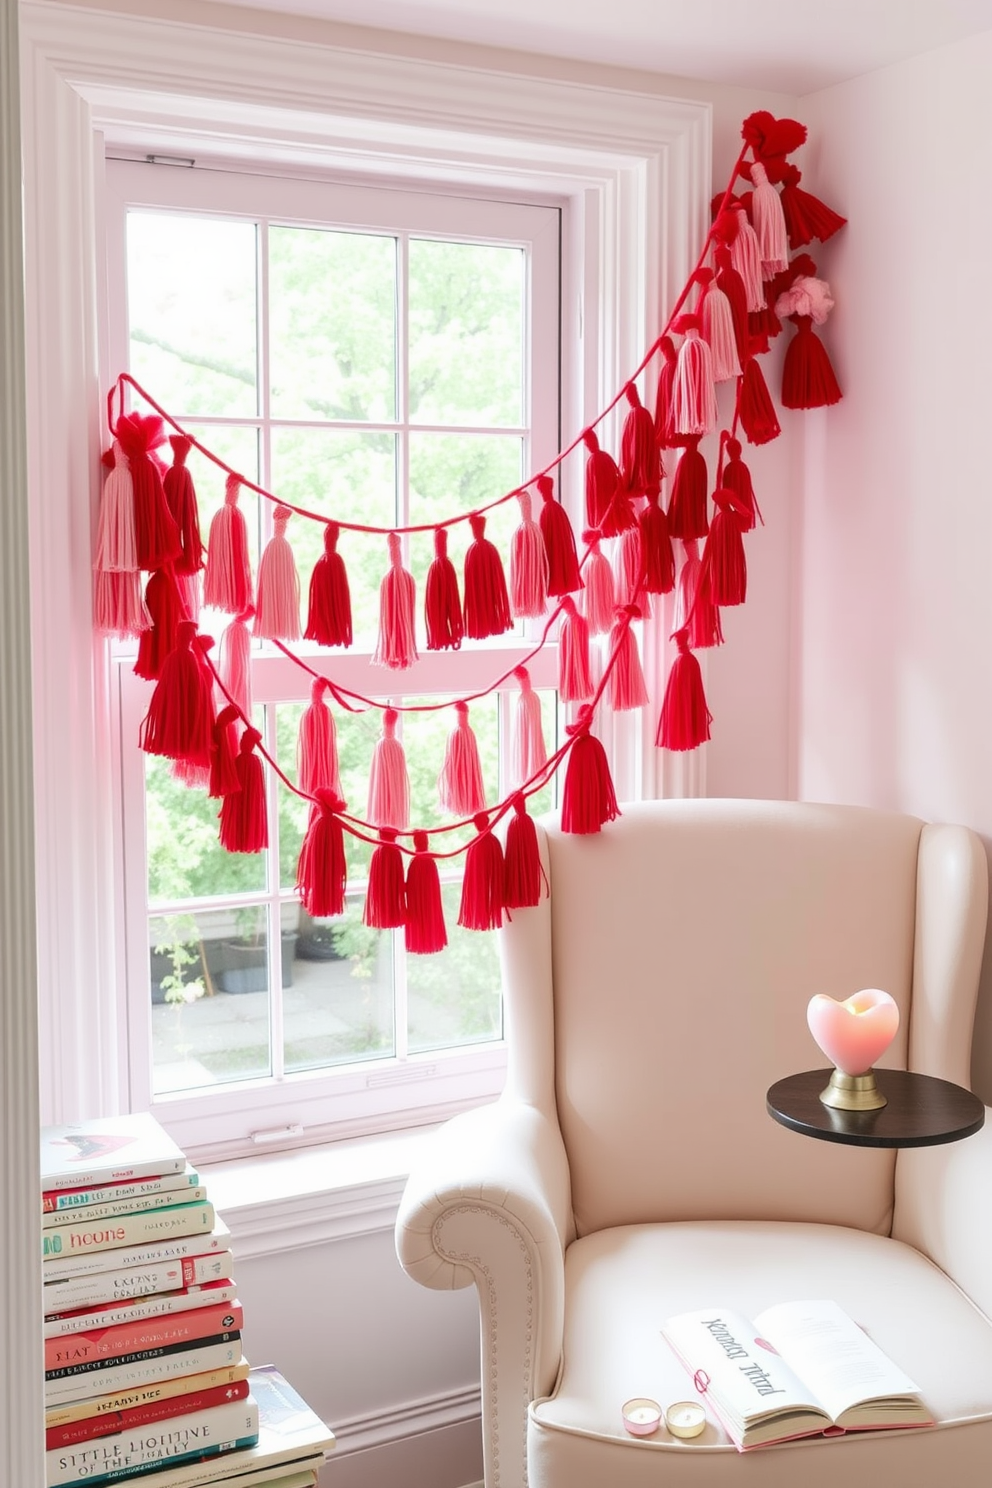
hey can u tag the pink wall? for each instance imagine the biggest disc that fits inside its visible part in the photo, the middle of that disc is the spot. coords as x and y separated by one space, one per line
895 705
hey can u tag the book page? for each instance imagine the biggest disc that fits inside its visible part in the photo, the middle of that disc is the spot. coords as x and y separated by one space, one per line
746 1376
836 1358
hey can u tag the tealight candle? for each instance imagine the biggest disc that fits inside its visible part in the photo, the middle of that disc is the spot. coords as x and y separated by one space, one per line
686 1418
642 1416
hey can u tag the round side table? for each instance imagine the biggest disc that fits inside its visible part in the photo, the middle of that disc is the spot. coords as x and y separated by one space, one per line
922 1111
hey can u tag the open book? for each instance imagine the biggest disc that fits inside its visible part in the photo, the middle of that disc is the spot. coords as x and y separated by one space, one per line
797 1369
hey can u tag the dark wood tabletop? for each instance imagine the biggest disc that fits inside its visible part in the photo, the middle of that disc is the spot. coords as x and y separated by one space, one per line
922 1111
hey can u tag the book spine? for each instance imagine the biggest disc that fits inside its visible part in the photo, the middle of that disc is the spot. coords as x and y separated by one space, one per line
86 1347
53 1201
155 1167
119 1400
113 1377
77 1292
83 1373
182 1219
112 1314
58 1268
141 1204
159 1445
111 1423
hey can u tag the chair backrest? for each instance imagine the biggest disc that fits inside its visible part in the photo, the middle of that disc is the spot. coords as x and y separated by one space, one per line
662 987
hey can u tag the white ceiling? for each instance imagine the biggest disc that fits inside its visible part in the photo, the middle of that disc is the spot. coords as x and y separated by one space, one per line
790 46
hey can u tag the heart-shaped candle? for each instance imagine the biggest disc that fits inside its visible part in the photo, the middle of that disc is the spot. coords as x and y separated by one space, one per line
855 1033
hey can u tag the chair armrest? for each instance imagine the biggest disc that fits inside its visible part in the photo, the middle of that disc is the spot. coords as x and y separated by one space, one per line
943 1206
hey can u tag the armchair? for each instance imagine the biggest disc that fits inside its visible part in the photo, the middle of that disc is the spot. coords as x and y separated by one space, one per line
629 1171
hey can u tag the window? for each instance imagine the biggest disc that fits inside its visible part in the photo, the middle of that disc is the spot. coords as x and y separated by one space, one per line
391 358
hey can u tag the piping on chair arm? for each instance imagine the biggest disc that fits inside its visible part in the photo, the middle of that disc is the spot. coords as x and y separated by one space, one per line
943 1207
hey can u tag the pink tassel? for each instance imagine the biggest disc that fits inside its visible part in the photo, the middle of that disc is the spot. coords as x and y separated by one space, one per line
166 610
663 412
277 611
640 455
574 676
234 661
329 609
628 570
389 783
528 753
397 643
322 870
717 322
559 541
627 686
385 895
588 798
425 932
687 510
528 565
181 496
487 603
460 784
118 607
523 873
737 478
227 581
317 746
602 480
442 602
116 548
599 600
769 223
695 610
693 393
745 256
685 719
482 886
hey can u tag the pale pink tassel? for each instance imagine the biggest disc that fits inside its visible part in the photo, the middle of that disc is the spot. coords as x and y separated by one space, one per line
628 570
528 565
118 604
234 661
528 752
190 587
598 597
627 686
116 547
397 643
693 393
688 581
745 257
718 333
277 608
460 784
769 223
389 783
317 746
574 676
227 583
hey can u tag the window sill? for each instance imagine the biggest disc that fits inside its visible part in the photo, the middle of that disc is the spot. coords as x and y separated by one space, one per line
278 1202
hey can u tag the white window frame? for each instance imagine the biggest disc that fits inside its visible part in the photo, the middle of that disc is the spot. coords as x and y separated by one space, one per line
399 1089
635 169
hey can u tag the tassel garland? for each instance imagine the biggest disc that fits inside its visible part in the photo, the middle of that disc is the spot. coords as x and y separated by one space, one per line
806 217
769 223
564 576
329 603
588 799
628 569
627 686
460 785
425 932
528 753
118 606
385 896
442 602
717 324
602 481
156 535
234 661
685 719
664 428
181 497
745 256
724 572
482 887
656 548
732 285
687 510
737 478
694 609
117 547
574 675
487 603
227 582
165 609
224 778
277 607
322 869
243 824
179 720
397 644
640 456
757 411
523 871
528 565
317 746
389 783
599 600
693 392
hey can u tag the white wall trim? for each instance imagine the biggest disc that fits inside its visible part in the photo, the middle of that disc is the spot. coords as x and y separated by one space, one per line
273 1227
415 1418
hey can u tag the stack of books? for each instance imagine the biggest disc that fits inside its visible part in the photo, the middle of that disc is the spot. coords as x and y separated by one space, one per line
144 1370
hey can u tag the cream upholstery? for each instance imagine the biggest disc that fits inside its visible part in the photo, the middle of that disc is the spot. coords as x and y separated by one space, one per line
630 1170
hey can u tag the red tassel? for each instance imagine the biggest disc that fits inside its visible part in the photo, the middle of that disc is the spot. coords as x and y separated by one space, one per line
166 609
523 871
487 604
528 565
227 579
808 378
628 570
157 539
528 753
181 496
559 541
385 896
179 720
717 324
442 602
599 600
602 481
117 548
685 719
757 411
329 608
397 644
737 478
574 676
694 609
745 255
322 870
243 825
656 548
627 686
482 887
277 609
687 511
664 426
640 456
224 777
724 572
806 217
732 285
118 607
389 783
317 746
460 784
769 223
588 798
694 409
425 930
234 661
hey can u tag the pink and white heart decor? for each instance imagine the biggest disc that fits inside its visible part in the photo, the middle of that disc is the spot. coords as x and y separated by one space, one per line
855 1033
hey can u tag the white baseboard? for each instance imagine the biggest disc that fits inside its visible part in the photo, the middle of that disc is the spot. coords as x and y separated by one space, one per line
435 1443
383 1428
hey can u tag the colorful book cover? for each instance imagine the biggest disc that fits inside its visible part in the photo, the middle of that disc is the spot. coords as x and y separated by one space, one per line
200 1436
54 1201
58 1267
129 1229
83 1374
76 1292
115 1149
74 1350
112 1314
110 1423
147 1371
92 1214
140 1395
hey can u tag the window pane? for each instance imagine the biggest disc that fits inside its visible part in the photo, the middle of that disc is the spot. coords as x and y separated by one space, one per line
210 999
467 303
346 475
185 858
454 998
332 325
191 308
340 1005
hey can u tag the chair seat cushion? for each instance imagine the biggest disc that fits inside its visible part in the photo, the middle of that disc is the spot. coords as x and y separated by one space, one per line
622 1283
